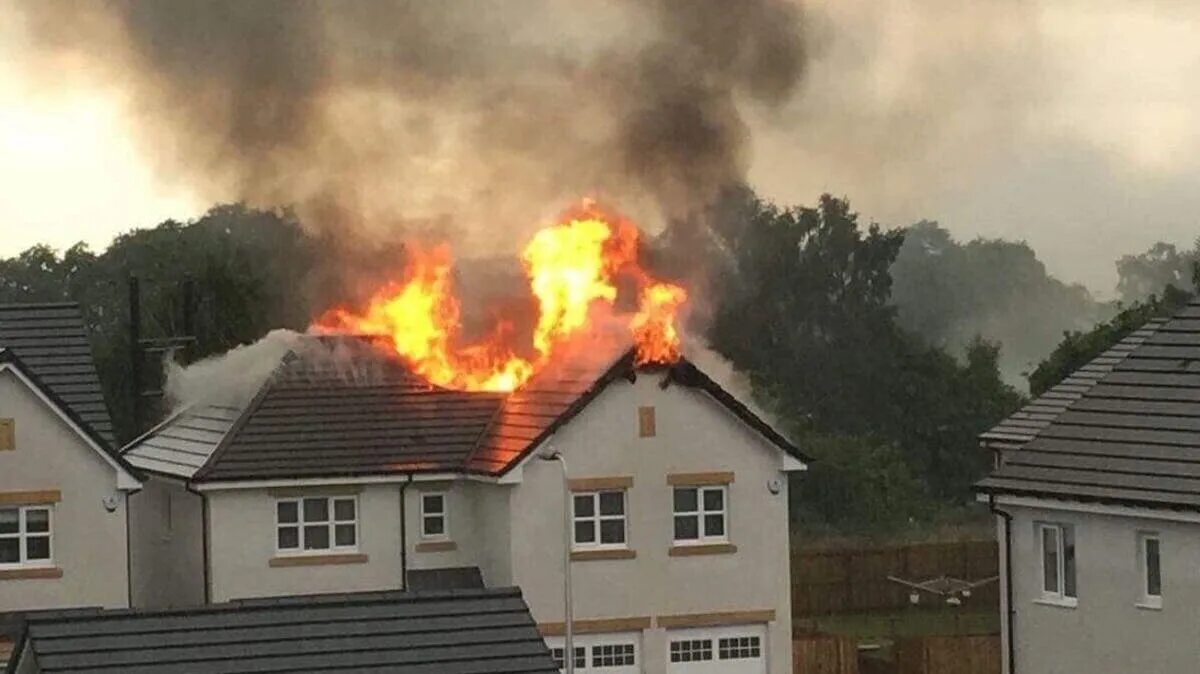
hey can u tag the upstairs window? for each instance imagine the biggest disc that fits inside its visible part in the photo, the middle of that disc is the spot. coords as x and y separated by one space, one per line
1057 543
24 536
599 519
433 516
700 514
317 524
1150 568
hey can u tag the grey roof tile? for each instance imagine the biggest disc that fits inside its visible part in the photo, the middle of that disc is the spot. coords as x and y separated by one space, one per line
466 631
318 418
51 342
1132 436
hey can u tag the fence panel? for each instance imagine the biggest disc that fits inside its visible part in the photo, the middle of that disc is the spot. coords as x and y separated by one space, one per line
855 580
976 654
824 654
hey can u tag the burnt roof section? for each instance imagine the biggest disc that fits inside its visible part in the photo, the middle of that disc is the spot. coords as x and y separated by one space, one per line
51 342
316 418
457 632
1132 437
319 417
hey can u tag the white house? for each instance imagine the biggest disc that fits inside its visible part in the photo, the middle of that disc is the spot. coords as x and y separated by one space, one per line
63 489
1096 490
371 479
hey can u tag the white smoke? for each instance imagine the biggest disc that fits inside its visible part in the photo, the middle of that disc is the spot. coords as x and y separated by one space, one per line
232 378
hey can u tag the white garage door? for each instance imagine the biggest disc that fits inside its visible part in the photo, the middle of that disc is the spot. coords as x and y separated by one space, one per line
616 653
727 650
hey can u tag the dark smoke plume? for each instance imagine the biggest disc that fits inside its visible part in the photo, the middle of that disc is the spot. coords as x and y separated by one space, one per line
486 117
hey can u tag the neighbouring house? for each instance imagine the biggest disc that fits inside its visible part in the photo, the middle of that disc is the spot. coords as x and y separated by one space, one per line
1096 488
349 473
63 489
480 631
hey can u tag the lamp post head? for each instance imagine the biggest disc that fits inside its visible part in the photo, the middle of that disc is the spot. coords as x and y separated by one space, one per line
550 453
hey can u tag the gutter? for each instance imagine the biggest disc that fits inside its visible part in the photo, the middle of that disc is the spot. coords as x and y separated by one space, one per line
1011 614
204 539
404 533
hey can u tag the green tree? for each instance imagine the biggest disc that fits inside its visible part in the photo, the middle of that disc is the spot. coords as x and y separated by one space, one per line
802 306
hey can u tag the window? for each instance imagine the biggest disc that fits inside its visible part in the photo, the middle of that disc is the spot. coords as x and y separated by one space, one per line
1150 565
599 519
613 655
24 536
737 648
317 524
433 516
580 657
691 650
1058 562
700 514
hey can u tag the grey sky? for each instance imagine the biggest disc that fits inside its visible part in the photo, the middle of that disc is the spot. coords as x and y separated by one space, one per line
1072 124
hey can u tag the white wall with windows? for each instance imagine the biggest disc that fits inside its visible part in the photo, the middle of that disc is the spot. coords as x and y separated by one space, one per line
303 541
1113 583
63 535
706 501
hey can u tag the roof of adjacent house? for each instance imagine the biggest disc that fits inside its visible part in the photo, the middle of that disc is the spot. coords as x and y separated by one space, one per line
51 342
320 417
1124 429
455 632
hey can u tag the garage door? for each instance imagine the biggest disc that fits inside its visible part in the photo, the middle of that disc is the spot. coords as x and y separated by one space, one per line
615 653
728 650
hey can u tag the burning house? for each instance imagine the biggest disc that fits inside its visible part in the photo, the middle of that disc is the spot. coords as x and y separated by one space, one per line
403 459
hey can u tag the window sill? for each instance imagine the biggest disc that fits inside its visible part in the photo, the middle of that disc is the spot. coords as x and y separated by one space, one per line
436 546
31 573
702 549
1148 604
594 555
317 560
1058 602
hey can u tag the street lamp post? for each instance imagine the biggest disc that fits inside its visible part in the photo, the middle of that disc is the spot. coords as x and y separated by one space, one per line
552 454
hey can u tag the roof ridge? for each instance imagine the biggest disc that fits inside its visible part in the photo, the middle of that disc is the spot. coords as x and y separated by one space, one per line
1015 429
288 602
251 407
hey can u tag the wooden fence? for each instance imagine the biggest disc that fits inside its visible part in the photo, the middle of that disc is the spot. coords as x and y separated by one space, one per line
824 654
949 655
856 580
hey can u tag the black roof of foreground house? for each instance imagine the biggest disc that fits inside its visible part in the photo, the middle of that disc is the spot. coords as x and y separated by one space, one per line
52 344
318 418
1123 429
456 632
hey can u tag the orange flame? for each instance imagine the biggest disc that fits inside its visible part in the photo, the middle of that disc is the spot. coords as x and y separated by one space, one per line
571 266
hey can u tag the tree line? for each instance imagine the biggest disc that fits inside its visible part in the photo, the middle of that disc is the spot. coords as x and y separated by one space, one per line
881 351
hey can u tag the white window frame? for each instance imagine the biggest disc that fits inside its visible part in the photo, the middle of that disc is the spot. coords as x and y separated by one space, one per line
591 647
704 538
444 516
22 537
1145 598
331 523
596 519
1058 595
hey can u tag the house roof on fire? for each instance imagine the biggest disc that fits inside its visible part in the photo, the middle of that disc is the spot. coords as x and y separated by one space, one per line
315 418
52 345
462 631
1123 429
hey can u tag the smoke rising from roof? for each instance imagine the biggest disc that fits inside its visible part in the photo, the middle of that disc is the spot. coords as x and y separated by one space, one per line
482 118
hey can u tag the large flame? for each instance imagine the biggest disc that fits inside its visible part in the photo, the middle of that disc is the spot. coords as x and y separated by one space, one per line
572 266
